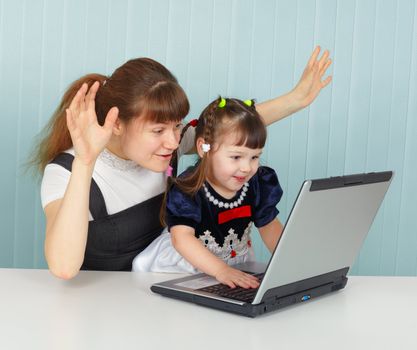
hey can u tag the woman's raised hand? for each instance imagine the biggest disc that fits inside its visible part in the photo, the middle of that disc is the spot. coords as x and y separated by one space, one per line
89 138
311 81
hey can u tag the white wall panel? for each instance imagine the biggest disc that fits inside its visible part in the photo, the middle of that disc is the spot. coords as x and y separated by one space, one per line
364 121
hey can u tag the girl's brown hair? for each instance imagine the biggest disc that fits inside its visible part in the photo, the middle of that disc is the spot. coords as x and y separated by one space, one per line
214 124
140 87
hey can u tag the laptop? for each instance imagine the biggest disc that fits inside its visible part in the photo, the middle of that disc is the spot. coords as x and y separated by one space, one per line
319 243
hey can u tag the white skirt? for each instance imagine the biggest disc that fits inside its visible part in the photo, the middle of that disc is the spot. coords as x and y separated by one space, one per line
161 256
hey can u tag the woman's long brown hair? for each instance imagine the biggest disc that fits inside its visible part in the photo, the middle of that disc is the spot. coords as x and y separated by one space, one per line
140 87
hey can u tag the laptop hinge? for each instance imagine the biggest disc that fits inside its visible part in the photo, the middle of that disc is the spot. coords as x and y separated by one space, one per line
332 279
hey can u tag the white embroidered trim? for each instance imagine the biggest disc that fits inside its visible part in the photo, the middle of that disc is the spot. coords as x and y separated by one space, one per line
232 247
115 162
229 205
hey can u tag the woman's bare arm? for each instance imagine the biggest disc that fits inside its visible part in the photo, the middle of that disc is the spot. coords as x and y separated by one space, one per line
67 218
303 94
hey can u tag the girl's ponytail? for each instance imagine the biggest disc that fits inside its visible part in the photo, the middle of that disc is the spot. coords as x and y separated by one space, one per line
194 180
55 137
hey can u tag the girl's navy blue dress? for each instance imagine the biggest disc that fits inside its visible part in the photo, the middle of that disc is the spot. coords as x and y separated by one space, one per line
222 225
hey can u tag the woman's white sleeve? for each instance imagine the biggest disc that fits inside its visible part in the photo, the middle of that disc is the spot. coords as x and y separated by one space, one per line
54 183
187 142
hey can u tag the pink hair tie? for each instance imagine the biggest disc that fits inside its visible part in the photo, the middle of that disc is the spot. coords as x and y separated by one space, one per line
169 171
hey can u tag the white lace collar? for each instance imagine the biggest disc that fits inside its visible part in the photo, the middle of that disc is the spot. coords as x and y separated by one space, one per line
116 162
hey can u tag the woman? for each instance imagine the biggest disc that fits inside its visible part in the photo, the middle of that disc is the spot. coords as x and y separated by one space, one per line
105 154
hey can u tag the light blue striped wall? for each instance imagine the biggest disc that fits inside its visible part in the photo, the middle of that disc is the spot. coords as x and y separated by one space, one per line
365 121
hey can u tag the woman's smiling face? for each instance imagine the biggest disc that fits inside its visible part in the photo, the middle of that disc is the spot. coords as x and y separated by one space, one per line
147 143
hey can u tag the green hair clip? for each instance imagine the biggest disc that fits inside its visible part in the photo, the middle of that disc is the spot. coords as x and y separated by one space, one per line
248 103
222 103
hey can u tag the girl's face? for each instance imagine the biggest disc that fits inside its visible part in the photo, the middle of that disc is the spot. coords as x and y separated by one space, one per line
147 143
231 166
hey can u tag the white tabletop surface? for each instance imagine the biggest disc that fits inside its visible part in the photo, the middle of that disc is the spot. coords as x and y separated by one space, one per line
116 310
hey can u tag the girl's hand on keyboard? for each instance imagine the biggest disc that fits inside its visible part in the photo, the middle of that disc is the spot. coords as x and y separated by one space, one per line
236 278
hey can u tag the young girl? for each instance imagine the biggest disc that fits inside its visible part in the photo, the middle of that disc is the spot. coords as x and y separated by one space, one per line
211 208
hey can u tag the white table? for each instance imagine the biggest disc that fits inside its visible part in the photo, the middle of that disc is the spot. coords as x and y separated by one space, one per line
116 310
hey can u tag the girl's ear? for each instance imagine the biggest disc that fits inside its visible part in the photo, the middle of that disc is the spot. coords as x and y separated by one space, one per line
199 146
118 127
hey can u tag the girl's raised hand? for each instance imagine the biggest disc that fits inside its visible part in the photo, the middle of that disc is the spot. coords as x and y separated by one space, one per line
311 81
89 138
236 278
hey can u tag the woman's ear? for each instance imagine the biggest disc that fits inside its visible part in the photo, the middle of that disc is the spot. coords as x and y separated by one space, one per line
199 145
118 127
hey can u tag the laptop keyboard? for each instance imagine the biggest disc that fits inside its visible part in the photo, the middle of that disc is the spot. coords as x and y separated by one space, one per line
238 293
